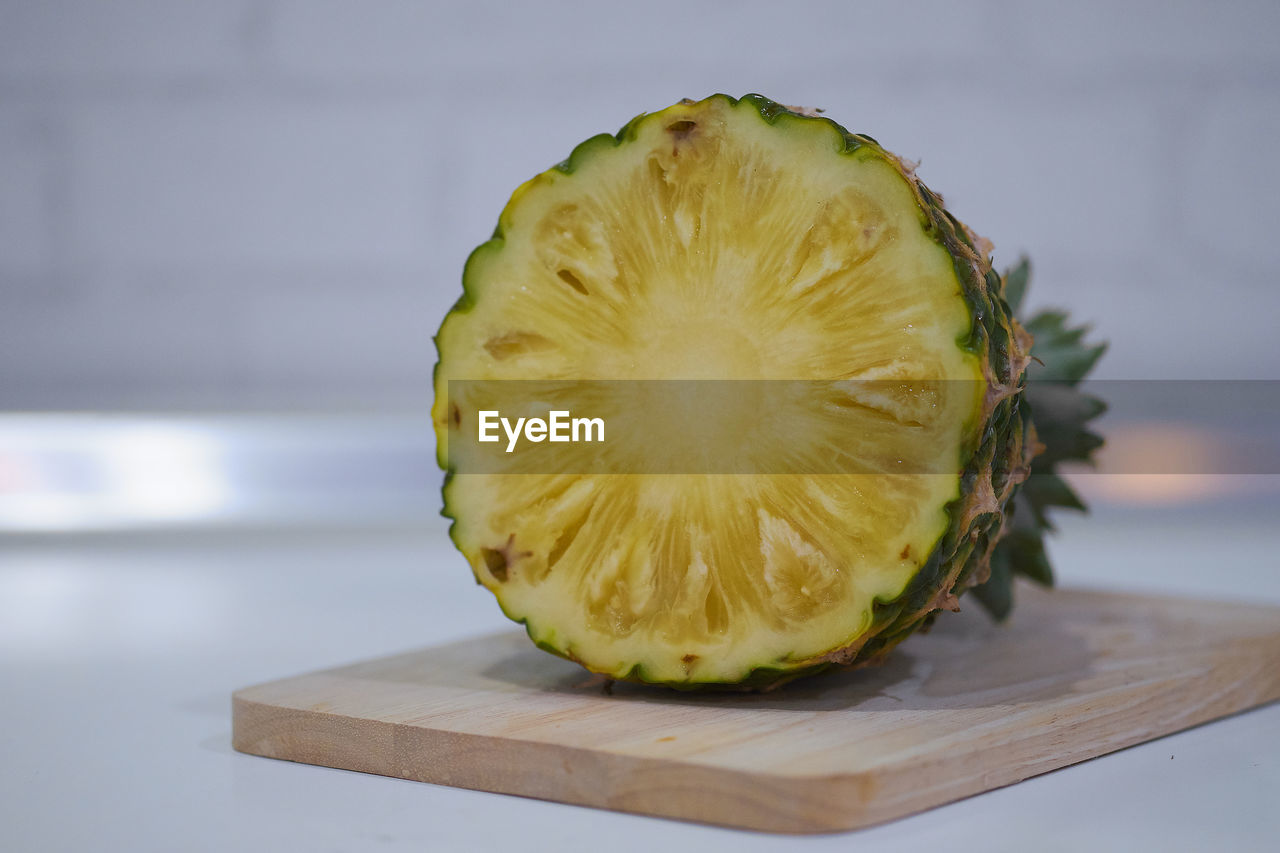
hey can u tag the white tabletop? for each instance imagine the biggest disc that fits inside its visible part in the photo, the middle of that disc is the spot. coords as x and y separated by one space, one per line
119 652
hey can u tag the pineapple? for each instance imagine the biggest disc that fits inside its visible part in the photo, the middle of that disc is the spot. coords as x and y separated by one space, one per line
738 239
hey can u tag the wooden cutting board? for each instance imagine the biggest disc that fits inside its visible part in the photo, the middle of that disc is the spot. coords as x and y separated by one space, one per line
969 707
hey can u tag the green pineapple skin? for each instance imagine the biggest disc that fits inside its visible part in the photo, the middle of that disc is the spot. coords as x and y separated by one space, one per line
975 551
962 558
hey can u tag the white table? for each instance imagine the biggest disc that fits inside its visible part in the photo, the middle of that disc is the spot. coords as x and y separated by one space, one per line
118 654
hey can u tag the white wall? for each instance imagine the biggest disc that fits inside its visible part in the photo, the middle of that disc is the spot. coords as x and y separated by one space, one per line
267 203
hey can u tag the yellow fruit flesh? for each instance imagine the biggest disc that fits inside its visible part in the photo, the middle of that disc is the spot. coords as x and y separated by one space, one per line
715 246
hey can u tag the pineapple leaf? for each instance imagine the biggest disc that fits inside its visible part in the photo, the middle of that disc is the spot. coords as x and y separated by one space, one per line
1060 412
1062 356
996 595
1042 491
1015 284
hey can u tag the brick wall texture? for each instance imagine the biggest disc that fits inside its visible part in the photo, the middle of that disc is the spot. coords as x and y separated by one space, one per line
266 204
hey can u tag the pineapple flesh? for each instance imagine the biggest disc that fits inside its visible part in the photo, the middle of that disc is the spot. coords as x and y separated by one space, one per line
736 239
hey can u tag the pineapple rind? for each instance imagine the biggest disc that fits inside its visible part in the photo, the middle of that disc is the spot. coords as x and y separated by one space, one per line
996 468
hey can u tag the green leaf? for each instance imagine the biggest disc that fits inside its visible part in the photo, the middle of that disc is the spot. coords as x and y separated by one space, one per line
1062 402
996 595
1060 412
1027 556
1048 489
1015 283
1060 353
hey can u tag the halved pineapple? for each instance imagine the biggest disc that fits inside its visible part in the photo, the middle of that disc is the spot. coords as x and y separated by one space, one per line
736 240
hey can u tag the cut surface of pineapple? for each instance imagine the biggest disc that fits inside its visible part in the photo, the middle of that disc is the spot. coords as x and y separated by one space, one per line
716 240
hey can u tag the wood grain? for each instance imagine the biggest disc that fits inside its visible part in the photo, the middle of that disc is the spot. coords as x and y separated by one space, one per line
969 707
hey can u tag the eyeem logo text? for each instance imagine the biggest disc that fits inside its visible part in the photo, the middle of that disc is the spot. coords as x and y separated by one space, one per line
559 426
